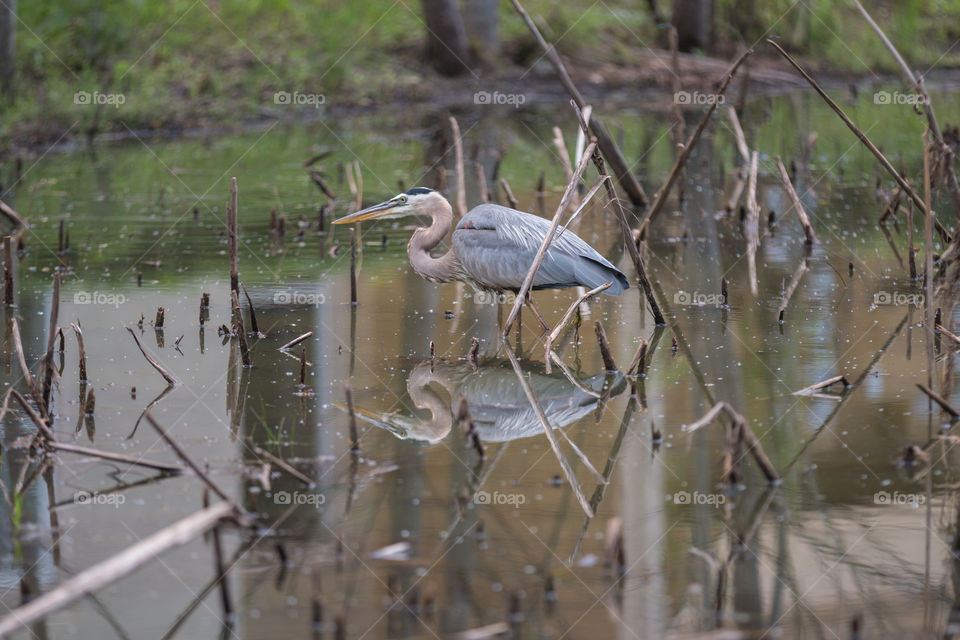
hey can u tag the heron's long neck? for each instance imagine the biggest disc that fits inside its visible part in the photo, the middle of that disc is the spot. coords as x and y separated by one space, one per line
441 419
444 268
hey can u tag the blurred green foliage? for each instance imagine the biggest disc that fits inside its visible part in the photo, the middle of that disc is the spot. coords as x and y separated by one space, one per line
189 63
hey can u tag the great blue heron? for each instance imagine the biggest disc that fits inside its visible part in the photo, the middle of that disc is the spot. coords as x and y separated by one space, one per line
493 247
500 409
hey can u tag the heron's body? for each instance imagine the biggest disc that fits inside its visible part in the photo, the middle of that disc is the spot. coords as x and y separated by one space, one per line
493 247
499 407
496 246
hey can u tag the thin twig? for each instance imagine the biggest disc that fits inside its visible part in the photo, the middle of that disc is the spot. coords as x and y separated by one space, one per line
548 238
296 340
182 454
608 147
661 195
940 400
797 205
548 430
114 568
860 135
569 314
156 365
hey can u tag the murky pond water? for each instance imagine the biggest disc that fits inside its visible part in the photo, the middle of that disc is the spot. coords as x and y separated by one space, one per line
417 535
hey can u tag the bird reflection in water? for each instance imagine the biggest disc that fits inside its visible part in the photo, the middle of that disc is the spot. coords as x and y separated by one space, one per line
498 405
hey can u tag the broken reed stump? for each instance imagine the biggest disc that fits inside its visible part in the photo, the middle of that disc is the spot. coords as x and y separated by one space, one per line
474 352
156 365
482 183
608 362
353 266
204 307
740 429
238 328
468 427
797 205
891 207
940 400
296 341
639 363
82 354
614 560
90 404
24 369
794 283
511 199
233 238
354 437
8 271
229 614
12 215
911 253
752 224
823 384
564 155
461 200
158 323
48 368
322 185
303 368
253 314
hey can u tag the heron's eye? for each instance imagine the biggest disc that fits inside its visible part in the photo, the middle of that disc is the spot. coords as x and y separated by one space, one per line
403 199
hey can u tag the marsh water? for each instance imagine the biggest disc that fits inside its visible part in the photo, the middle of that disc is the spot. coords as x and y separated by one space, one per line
417 535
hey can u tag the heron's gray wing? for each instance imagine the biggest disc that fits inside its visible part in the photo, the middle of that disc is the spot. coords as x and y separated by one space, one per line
496 245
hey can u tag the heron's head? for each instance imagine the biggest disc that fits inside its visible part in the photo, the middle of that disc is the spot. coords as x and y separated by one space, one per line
413 202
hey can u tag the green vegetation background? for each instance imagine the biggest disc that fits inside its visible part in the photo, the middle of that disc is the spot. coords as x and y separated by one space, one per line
195 63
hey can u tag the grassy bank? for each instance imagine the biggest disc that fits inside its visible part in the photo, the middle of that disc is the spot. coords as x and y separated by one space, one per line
180 64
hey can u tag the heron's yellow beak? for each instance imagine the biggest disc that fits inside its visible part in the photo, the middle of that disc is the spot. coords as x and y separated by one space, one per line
381 210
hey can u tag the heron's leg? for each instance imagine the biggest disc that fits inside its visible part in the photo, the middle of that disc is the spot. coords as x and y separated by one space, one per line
536 312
